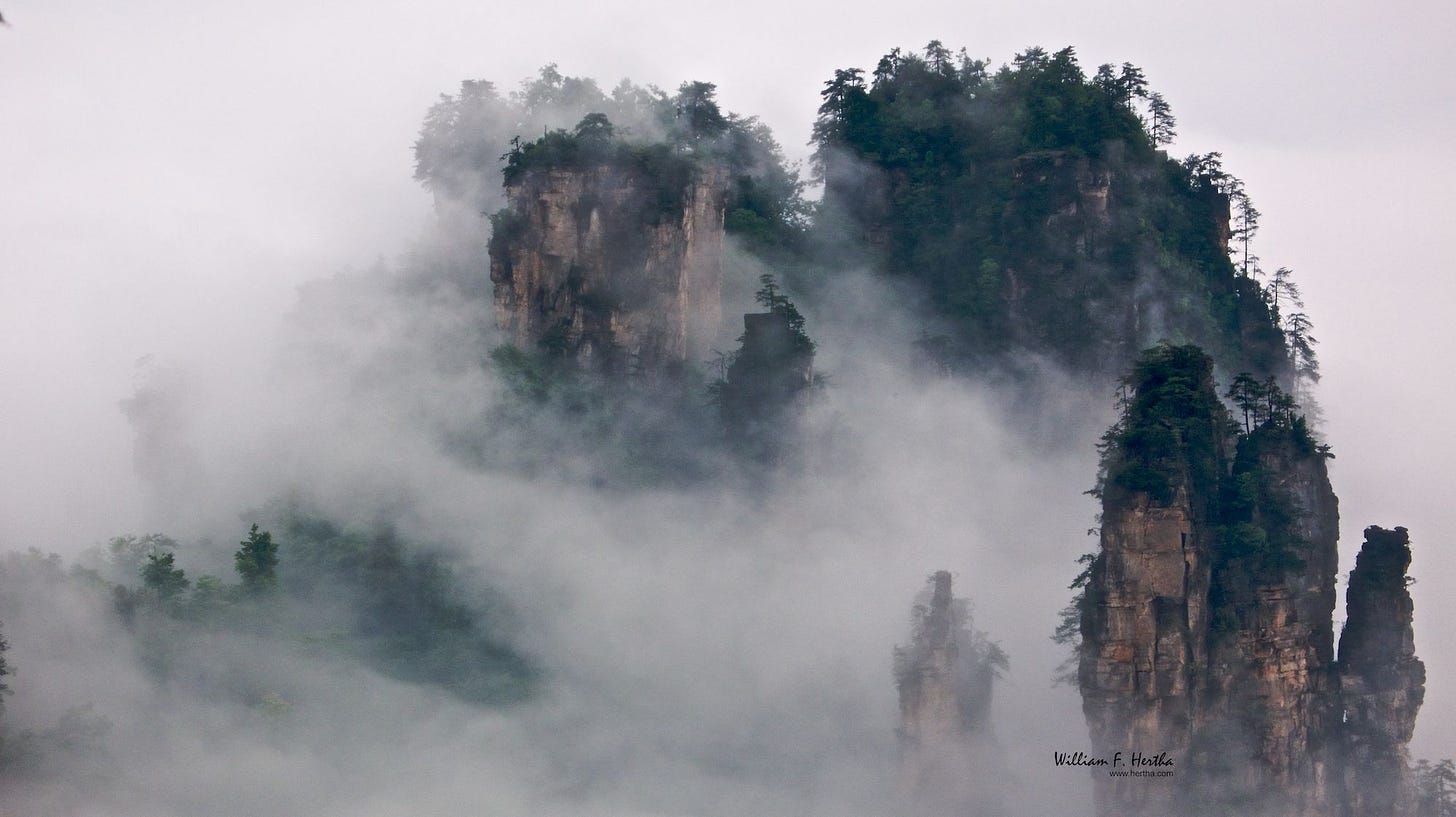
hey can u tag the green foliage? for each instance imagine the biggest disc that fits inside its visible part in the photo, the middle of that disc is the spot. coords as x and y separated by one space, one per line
1170 429
1068 632
771 297
128 555
765 205
529 378
209 595
1174 441
456 140
1030 202
409 614
1434 786
763 381
1162 124
1257 517
256 560
698 117
465 135
161 576
368 596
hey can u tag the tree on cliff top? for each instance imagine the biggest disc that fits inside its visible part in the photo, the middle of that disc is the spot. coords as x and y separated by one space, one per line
1169 428
1028 202
1162 125
698 116
766 378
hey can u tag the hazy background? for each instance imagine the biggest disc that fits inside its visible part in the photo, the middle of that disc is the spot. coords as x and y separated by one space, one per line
171 172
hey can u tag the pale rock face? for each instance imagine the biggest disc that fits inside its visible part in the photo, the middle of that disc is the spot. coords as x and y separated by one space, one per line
600 265
1248 698
1148 632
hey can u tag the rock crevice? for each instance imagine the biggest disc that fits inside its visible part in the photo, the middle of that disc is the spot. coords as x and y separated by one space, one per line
607 266
1207 622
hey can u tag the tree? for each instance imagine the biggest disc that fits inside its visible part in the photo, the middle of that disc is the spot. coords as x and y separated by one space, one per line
1248 395
129 554
697 111
939 58
1246 224
256 559
1435 788
766 377
884 70
770 297
1032 59
1132 83
4 670
1068 633
595 126
1301 347
1161 128
1206 172
1106 80
840 95
1278 407
161 575
1283 288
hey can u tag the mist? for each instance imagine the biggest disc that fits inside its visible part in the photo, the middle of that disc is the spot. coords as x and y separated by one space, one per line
206 218
705 648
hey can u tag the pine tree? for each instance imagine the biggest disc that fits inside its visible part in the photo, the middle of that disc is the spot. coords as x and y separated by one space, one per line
256 559
1163 122
1248 395
1246 224
161 575
1283 290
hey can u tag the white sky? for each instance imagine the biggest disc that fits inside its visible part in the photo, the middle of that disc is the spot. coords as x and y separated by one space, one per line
170 170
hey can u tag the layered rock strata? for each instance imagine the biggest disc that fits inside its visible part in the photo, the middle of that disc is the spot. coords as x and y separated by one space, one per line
1207 622
611 265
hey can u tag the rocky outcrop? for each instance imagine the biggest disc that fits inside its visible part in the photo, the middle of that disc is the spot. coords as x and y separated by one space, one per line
1146 618
1270 721
945 677
1382 683
1207 620
1145 631
772 369
613 265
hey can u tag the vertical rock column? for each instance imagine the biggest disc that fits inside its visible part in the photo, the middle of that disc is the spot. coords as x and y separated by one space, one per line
1143 637
945 678
1382 682
1270 723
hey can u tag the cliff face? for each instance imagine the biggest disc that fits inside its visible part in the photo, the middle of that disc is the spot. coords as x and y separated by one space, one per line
611 265
1207 622
1146 618
1382 683
1272 699
1143 635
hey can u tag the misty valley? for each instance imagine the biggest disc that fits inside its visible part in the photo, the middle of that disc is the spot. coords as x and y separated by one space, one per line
613 493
